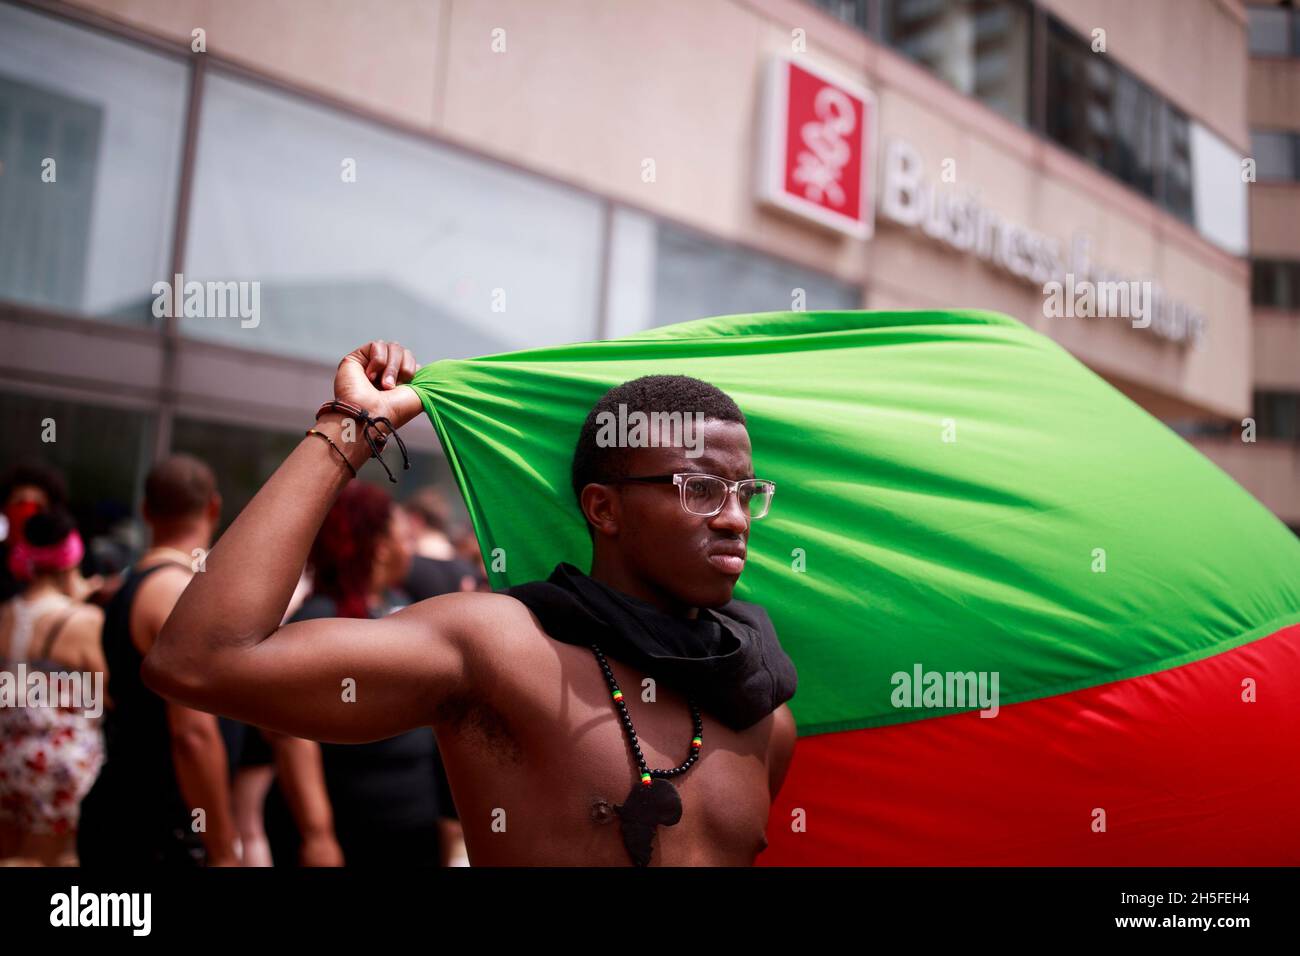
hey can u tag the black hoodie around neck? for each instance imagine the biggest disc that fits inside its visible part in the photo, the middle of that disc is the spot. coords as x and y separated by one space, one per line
728 659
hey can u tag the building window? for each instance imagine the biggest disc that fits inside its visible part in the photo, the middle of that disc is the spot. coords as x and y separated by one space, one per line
1174 161
103 453
1103 113
853 12
90 149
1276 154
1273 31
1095 108
1096 111
243 458
1277 415
696 277
661 273
979 47
1275 284
352 231
1132 154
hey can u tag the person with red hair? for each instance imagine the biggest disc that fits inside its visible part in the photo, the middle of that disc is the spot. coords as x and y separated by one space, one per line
388 799
360 556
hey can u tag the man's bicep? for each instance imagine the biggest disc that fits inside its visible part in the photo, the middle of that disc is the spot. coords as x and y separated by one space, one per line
344 680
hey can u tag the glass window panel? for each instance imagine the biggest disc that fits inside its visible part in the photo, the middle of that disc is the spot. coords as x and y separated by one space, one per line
852 12
1278 415
1262 279
980 47
103 453
1133 107
243 458
1078 96
111 116
1268 30
1274 154
450 255
1176 162
697 277
1116 122
1275 284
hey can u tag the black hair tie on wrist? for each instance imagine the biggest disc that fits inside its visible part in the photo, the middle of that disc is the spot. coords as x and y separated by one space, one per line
337 449
369 422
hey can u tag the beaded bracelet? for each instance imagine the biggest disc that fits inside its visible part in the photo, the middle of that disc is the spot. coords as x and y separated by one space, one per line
351 468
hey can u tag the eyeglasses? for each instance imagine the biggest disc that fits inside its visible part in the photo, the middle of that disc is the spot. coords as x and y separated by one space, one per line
706 495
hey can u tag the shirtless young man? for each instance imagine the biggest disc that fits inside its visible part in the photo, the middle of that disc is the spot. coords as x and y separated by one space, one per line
525 723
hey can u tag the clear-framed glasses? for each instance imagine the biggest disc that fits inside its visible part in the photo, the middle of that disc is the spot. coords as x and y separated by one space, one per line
706 495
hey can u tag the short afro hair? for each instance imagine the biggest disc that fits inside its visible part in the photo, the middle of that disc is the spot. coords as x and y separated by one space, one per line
35 474
648 394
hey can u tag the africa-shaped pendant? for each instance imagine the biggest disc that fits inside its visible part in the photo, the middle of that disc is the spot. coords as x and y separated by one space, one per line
653 802
646 809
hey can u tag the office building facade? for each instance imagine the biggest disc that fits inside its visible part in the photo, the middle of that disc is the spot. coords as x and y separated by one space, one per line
474 177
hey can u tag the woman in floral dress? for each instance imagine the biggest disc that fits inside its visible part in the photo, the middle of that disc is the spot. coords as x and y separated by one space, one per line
51 749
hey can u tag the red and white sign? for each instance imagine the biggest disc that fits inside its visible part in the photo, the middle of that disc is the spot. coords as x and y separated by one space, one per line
818 132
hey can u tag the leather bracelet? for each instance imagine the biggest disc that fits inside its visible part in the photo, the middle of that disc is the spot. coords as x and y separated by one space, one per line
347 410
369 422
351 468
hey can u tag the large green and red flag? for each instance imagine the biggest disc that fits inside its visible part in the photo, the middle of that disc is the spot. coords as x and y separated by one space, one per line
959 501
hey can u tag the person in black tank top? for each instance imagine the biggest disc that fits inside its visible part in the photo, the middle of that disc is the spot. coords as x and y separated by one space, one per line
135 814
161 759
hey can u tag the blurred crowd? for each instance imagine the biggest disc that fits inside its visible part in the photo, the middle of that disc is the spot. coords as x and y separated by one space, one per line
140 780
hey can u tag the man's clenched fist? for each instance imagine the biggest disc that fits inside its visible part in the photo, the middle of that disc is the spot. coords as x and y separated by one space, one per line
372 375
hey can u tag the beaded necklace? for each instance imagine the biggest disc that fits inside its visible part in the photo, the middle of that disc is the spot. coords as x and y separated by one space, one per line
653 801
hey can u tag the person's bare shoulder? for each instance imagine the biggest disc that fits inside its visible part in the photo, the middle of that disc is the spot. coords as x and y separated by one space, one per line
489 629
86 627
78 645
154 601
473 614
496 641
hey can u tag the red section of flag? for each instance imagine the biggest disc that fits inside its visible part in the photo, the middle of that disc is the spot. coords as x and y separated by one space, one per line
1187 772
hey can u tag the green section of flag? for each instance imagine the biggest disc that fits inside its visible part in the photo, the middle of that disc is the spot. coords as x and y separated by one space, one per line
953 480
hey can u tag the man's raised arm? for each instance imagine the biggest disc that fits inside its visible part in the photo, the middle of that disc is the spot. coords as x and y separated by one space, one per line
341 680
